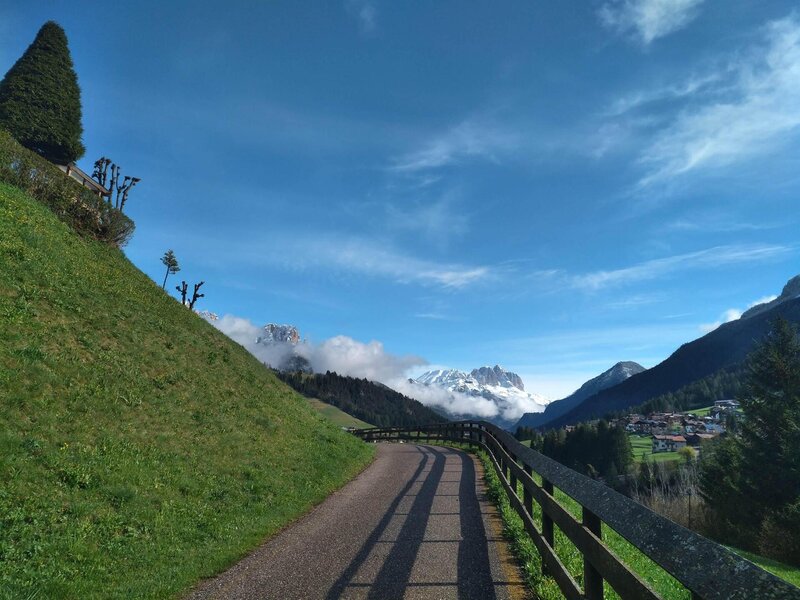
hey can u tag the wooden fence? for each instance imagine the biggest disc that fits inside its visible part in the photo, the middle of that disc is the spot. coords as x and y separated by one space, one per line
707 569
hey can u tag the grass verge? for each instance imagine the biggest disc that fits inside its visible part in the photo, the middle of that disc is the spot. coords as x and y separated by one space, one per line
530 561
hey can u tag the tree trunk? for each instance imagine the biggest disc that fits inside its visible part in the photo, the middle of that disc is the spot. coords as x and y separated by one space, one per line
164 285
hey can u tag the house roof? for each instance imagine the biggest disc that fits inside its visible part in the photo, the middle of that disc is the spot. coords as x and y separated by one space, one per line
670 438
79 175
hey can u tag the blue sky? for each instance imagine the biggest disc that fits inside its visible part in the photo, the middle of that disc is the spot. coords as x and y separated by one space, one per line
552 186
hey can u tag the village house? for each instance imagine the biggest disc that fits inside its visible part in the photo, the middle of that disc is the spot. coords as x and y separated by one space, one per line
668 443
696 439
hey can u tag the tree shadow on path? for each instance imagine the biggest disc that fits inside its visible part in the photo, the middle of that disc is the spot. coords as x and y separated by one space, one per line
394 576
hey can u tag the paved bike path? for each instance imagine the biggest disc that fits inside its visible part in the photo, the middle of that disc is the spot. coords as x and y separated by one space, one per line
415 524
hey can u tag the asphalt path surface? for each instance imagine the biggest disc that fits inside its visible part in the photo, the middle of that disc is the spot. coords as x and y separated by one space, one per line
414 524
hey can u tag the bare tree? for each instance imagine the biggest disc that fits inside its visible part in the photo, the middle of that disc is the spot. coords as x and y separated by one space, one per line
182 288
100 173
195 295
119 190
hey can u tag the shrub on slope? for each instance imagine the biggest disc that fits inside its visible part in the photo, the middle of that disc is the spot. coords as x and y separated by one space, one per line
140 449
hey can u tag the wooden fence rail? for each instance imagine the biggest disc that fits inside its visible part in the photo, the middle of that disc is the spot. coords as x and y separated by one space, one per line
707 569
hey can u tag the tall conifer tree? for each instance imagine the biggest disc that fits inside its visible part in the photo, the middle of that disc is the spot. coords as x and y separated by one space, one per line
40 101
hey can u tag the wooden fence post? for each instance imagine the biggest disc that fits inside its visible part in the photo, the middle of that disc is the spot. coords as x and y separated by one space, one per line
547 522
592 580
513 475
527 499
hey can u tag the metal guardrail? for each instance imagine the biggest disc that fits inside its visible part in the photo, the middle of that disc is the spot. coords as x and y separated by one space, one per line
707 569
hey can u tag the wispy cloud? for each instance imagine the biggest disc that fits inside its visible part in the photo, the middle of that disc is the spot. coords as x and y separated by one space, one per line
468 140
759 113
709 258
362 256
634 301
715 224
434 316
436 220
642 98
648 20
365 13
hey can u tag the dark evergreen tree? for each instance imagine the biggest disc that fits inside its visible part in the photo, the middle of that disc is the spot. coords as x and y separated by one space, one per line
752 480
363 399
40 101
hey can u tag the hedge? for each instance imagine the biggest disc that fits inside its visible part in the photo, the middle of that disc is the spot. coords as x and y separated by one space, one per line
86 212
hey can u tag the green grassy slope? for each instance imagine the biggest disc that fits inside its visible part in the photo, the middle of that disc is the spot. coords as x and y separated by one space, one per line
336 415
140 449
643 449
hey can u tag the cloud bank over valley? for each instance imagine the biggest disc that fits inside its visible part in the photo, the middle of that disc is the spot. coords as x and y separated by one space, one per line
369 360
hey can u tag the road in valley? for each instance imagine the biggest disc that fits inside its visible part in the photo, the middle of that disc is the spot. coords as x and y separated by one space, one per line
415 524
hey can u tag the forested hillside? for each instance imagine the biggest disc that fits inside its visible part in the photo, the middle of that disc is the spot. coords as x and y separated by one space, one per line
363 399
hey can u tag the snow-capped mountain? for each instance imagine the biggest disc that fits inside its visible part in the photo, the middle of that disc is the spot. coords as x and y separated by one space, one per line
499 387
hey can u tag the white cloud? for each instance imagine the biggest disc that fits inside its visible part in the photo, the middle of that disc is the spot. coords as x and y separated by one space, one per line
451 402
754 111
370 360
342 354
470 139
365 13
648 20
732 314
245 333
709 258
763 300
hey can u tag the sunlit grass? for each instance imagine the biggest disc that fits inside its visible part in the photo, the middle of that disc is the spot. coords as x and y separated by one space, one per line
140 449
336 415
643 450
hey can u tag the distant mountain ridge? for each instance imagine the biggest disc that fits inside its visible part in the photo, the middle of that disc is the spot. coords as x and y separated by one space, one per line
613 376
790 291
725 347
503 388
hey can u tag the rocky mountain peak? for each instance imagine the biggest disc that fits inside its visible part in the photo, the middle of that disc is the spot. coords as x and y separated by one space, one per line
497 376
279 334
